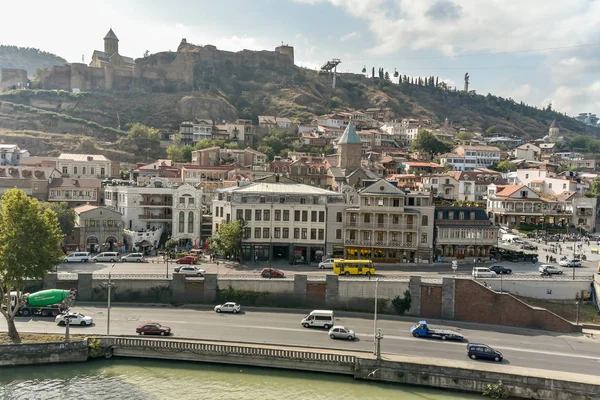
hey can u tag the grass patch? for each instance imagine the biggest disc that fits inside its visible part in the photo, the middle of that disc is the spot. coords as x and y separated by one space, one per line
38 338
566 309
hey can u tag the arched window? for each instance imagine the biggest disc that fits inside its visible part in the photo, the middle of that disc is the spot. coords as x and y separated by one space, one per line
181 221
191 222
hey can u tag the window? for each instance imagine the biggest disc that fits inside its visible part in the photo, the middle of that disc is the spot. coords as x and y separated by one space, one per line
286 215
248 215
239 214
181 221
92 170
266 233
338 217
550 186
394 236
321 216
297 215
247 232
285 233
380 218
182 200
366 235
523 193
257 215
440 214
244 200
64 170
367 201
461 215
267 215
262 199
304 233
321 234
191 222
424 220
282 200
395 202
313 216
277 215
74 170
352 235
83 169
296 233
450 214
564 185
472 215
526 176
338 233
304 216
395 219
276 233
256 233
191 200
367 218
303 200
423 238
102 171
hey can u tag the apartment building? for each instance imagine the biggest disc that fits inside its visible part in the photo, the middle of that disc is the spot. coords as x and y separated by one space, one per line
11 154
86 166
99 229
464 158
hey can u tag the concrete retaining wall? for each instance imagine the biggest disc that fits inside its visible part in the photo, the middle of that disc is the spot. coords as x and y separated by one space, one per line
545 289
43 353
255 285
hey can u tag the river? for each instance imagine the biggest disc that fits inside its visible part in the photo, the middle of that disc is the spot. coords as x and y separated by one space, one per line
134 379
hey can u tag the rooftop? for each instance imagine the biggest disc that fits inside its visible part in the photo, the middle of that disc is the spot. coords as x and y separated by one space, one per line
283 188
82 209
349 136
82 157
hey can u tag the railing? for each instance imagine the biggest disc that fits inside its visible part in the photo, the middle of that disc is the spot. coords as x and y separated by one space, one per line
588 213
253 277
156 203
227 349
386 225
377 243
564 277
155 216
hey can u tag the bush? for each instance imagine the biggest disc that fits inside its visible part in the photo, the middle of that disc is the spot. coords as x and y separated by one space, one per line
496 390
402 305
240 296
95 348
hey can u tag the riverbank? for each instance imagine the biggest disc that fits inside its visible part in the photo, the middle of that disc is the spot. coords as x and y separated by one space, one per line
466 376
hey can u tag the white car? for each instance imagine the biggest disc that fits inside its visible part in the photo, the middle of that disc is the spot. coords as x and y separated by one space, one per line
327 263
133 257
571 262
228 307
77 256
483 272
190 270
547 269
74 319
341 332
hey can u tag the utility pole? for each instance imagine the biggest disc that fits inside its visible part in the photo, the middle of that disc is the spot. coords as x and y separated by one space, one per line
375 339
108 311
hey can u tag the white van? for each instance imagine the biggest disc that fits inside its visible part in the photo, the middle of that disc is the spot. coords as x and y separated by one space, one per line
78 256
107 256
483 272
321 318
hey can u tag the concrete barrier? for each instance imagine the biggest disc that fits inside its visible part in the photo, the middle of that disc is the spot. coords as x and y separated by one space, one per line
43 353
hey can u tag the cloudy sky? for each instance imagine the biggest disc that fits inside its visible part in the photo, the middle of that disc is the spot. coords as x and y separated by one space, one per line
536 51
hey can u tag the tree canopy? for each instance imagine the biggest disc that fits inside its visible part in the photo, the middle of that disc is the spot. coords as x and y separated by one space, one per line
139 131
428 142
504 166
464 136
228 239
65 214
30 237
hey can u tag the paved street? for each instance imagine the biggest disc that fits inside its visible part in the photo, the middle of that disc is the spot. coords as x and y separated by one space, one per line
521 347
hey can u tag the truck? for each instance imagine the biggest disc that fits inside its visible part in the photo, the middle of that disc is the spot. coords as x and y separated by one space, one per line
422 330
45 303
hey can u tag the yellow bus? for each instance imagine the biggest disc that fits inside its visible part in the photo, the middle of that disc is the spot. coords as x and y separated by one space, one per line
353 267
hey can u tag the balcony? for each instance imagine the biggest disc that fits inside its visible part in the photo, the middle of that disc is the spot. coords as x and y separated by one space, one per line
587 213
155 216
376 243
381 225
156 203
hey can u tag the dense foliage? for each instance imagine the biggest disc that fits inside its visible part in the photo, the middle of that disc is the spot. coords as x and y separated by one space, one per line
27 58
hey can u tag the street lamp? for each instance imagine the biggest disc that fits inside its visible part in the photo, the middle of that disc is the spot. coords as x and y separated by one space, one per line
375 336
577 320
167 256
108 313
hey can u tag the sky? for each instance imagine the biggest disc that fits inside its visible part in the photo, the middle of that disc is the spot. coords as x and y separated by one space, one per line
535 51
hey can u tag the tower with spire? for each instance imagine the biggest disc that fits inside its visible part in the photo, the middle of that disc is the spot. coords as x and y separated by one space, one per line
110 57
111 43
349 149
553 132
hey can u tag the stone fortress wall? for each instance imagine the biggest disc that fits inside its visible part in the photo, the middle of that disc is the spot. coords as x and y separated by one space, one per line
158 68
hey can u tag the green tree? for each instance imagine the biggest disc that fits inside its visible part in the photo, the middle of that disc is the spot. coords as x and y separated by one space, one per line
491 129
228 239
595 188
504 166
65 214
206 143
30 237
180 154
429 143
464 136
139 131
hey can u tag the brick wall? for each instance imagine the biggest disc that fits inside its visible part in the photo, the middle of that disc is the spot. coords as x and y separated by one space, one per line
431 301
476 303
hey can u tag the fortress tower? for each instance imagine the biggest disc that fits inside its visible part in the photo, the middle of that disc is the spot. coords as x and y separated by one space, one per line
287 50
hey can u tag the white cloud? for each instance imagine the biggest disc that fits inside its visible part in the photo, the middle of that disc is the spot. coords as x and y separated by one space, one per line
348 36
574 100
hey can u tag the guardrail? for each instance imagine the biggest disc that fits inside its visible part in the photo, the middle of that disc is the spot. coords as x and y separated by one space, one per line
564 277
253 277
222 349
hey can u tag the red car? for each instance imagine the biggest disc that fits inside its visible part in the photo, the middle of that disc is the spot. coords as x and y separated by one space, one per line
271 273
153 328
187 260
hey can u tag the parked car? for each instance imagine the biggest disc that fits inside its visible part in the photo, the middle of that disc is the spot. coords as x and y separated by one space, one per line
547 269
570 262
228 307
187 260
271 273
499 269
483 272
133 257
190 270
483 351
528 246
153 328
78 256
328 263
74 319
107 256
340 332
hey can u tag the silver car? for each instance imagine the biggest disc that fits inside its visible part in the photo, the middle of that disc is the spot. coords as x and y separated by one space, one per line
340 332
133 257
190 270
228 307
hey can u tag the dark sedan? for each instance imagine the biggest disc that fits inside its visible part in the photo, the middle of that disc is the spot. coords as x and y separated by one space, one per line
499 269
153 328
483 351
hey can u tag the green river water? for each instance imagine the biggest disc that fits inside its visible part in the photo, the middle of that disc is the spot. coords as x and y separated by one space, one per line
134 379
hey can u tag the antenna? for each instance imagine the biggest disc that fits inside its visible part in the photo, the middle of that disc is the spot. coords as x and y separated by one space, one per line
331 67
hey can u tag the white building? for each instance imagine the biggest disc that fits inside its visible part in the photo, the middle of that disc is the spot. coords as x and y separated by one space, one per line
11 154
284 220
464 158
528 151
84 165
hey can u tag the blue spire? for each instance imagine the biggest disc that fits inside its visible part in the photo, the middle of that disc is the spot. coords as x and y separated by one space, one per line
349 136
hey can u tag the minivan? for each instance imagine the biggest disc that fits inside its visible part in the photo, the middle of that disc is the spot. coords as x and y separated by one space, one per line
78 256
321 318
483 272
108 256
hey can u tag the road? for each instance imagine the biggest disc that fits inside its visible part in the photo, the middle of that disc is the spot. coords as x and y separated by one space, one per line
521 347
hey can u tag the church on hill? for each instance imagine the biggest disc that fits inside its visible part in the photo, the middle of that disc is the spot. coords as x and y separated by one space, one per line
110 57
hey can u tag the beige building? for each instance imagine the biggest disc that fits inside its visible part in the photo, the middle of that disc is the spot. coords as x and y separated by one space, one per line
100 228
76 192
85 166
386 224
34 181
110 57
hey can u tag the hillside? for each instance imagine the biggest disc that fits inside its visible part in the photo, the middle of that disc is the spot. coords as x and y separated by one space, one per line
27 58
229 92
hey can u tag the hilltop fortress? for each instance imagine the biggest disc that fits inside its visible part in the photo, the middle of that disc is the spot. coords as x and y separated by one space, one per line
111 70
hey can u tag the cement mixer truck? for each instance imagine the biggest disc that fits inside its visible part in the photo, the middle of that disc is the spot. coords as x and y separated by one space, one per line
45 303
